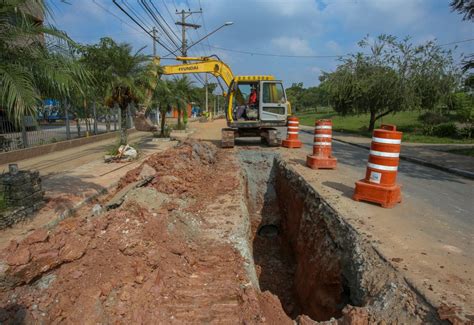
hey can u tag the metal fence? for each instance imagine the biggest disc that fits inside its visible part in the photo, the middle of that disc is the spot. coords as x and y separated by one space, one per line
34 131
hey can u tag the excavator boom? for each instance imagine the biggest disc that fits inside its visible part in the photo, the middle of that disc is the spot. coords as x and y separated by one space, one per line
202 65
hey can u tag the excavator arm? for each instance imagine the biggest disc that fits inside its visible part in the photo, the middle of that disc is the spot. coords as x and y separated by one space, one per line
200 65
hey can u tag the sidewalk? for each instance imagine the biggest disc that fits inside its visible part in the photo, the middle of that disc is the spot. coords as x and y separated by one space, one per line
431 155
74 177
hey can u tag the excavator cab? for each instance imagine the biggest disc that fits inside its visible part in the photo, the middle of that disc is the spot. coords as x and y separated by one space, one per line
271 105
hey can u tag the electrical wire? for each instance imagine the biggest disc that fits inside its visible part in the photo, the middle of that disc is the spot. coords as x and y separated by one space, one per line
150 12
457 42
163 18
144 29
204 25
114 15
139 17
278 55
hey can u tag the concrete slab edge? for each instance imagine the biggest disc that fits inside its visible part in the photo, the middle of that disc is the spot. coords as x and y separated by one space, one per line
455 171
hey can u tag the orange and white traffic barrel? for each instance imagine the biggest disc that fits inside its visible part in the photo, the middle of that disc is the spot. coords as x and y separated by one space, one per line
322 147
292 140
380 182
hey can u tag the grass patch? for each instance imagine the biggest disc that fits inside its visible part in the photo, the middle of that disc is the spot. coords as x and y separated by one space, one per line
406 122
463 151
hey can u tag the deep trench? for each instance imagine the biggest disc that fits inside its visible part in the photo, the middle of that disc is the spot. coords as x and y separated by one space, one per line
310 258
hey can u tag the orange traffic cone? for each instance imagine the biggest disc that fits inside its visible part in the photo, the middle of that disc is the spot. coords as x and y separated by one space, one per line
379 185
322 151
292 140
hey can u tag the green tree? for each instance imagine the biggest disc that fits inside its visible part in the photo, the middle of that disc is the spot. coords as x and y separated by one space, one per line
123 75
35 60
162 96
294 94
393 76
182 90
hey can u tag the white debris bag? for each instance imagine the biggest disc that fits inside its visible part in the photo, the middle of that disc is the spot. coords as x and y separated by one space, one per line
127 152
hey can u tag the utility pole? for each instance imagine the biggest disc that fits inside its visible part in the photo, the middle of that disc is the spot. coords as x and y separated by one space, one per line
154 40
185 14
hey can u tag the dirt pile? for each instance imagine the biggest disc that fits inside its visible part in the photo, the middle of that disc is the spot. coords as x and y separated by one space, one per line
142 263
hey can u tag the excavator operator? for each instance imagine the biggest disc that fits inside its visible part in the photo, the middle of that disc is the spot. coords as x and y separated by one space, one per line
252 103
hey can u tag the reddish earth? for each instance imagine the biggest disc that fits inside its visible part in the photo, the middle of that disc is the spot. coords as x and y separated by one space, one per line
167 257
132 265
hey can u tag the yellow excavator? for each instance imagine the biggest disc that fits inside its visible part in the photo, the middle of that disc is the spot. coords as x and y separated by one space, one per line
245 117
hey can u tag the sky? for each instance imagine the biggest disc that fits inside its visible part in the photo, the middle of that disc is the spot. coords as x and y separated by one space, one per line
311 31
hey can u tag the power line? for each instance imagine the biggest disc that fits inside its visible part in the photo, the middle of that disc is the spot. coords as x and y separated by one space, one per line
155 18
139 17
111 13
204 25
163 18
457 42
144 29
278 55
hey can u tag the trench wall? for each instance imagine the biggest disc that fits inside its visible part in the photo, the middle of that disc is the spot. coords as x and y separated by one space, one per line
335 266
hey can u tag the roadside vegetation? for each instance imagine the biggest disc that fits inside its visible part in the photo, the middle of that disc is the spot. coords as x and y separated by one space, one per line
38 61
419 88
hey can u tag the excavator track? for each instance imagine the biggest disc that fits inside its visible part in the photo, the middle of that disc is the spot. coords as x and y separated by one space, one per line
270 137
228 138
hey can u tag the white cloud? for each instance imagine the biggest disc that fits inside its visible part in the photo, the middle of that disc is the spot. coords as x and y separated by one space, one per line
292 45
334 47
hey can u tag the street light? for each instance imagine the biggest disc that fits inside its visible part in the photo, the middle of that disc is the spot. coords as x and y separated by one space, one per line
228 23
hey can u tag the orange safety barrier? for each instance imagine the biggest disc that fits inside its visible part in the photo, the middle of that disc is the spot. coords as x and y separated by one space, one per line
292 140
379 185
322 147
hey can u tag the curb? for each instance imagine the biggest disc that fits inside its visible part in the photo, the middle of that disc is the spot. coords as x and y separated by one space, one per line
458 172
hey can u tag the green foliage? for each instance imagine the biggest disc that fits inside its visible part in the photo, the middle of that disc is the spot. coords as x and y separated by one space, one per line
409 122
303 99
448 130
123 77
35 60
394 76
182 92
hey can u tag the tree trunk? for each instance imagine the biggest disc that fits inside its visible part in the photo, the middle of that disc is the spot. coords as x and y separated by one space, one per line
179 117
163 121
372 121
78 126
123 125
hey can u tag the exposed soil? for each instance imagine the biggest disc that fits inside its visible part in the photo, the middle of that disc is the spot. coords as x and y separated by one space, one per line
190 248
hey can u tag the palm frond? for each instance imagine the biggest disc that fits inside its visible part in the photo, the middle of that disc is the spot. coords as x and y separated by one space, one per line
17 93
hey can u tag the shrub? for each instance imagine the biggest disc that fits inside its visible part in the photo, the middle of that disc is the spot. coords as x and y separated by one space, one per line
466 132
446 130
430 120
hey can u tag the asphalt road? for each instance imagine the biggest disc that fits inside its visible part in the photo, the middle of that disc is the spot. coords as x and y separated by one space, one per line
451 195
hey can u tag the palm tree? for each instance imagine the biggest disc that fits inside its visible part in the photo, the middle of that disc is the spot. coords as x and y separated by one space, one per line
121 74
182 88
164 98
35 60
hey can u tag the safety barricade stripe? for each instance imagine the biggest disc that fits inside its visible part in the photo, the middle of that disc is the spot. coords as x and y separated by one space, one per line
385 154
382 167
323 127
293 127
322 144
388 141
293 122
322 136
291 132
